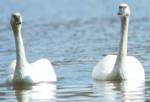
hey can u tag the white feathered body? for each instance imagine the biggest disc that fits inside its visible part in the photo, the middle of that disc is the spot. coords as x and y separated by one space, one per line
39 71
132 69
22 72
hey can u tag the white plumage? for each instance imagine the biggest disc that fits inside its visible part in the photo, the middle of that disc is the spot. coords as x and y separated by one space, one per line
121 66
132 69
22 72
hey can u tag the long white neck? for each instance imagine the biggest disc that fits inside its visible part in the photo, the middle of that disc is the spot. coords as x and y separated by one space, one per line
20 51
122 54
124 39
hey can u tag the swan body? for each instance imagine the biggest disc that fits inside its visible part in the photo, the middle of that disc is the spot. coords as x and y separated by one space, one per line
22 72
133 69
34 73
121 66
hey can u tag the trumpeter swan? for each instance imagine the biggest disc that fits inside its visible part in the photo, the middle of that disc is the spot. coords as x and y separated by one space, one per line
22 71
121 66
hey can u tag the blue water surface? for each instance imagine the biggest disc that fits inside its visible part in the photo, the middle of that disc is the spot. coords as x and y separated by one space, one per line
74 35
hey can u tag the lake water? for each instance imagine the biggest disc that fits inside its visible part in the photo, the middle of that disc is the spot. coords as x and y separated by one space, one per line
74 35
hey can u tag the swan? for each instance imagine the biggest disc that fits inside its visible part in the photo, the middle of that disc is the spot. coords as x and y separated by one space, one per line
120 66
22 72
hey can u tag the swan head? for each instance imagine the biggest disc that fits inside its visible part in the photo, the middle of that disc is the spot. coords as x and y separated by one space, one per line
124 10
16 21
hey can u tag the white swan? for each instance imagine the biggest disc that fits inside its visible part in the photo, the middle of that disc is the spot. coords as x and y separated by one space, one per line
120 67
21 71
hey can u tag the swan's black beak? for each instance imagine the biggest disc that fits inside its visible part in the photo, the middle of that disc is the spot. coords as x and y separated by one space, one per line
17 19
119 13
18 23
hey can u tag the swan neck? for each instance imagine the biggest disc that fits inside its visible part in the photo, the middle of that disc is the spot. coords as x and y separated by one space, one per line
20 51
122 54
124 38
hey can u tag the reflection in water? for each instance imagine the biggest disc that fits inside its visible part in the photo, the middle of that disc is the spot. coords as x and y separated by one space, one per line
75 34
133 91
39 93
126 91
106 90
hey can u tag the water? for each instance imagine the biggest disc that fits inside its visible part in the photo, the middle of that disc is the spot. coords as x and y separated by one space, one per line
74 35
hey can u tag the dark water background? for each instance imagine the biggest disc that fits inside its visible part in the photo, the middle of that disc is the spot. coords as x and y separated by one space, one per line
74 35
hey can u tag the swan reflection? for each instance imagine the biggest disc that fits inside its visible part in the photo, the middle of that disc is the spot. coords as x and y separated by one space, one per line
126 91
38 93
133 91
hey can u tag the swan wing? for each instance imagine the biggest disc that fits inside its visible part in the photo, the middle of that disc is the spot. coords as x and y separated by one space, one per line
10 71
134 69
42 71
104 68
11 67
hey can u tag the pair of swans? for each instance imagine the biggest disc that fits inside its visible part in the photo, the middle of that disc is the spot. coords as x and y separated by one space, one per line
121 66
111 67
